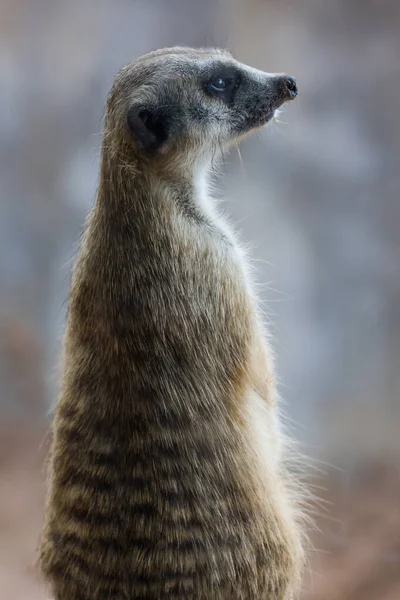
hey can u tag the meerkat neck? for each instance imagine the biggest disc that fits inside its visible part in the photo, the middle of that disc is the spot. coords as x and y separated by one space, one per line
137 194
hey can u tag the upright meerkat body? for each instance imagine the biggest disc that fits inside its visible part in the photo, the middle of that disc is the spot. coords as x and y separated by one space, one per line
166 479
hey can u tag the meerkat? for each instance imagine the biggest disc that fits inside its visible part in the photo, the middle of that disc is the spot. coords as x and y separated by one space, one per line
167 478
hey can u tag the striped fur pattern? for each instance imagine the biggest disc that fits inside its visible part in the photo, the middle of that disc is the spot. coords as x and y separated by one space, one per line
166 478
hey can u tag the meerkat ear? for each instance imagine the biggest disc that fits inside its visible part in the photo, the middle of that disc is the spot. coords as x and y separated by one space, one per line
149 126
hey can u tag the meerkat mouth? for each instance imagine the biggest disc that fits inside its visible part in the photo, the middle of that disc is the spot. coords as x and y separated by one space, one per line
272 115
276 115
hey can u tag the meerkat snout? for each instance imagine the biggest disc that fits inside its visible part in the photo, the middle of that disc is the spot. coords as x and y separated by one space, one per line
191 103
286 88
291 86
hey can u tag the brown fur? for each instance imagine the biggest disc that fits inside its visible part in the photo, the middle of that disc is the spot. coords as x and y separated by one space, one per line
158 487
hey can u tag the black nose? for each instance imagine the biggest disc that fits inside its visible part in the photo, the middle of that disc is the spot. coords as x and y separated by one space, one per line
288 86
291 86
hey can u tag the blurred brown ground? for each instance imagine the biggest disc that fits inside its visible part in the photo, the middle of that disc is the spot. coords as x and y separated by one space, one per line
22 454
357 556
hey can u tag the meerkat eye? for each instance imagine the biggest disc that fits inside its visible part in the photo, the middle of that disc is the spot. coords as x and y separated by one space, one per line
217 84
223 84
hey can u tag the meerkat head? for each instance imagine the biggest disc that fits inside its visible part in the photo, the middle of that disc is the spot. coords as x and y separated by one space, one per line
186 104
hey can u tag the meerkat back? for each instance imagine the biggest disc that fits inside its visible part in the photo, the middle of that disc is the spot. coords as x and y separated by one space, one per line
166 476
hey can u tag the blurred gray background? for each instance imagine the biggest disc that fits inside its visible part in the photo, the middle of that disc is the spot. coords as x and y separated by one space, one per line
317 197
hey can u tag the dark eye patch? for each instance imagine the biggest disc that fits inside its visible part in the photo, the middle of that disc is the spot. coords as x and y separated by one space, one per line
222 83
